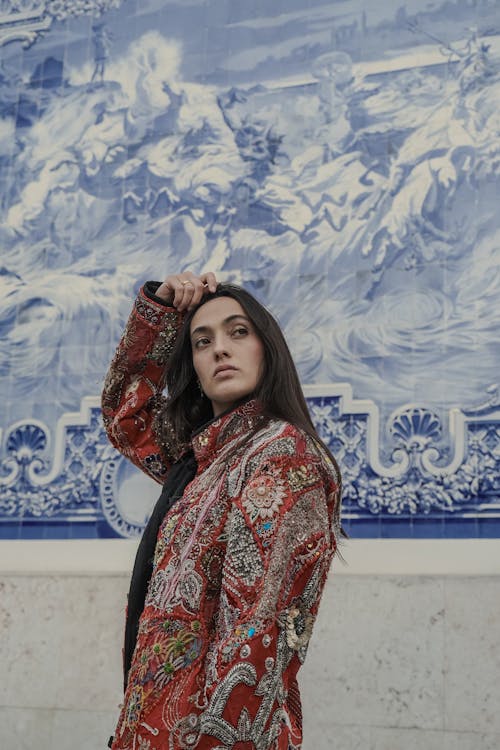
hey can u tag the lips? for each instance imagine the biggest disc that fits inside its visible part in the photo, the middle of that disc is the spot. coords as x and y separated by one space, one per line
224 368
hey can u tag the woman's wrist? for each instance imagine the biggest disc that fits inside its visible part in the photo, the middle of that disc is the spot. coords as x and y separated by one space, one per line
165 293
152 290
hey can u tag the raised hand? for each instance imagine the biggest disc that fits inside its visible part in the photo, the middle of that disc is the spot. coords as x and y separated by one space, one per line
185 290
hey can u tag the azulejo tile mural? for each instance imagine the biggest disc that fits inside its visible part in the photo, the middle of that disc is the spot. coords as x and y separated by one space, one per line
340 160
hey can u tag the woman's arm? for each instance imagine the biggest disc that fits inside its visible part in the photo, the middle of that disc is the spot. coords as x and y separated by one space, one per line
279 548
133 390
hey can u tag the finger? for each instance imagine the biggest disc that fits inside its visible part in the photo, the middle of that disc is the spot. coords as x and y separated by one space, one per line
189 293
193 290
198 292
185 294
210 281
179 289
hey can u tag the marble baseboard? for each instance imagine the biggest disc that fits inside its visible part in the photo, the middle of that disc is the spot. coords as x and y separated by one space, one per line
340 737
322 734
61 641
49 729
471 741
395 663
25 728
416 739
92 728
376 656
472 656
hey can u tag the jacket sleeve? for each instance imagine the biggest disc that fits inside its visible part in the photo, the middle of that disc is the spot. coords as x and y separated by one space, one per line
132 394
280 542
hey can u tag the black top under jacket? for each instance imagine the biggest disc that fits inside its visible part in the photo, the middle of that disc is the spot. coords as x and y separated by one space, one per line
181 473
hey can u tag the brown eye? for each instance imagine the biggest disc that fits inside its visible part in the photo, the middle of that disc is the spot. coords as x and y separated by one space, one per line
240 331
200 343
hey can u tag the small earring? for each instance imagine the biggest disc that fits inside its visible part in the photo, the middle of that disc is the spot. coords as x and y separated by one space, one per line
199 387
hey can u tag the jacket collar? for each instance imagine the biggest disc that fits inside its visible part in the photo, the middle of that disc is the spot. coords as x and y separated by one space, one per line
226 430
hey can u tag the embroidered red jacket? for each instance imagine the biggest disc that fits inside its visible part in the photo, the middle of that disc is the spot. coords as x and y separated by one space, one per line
240 564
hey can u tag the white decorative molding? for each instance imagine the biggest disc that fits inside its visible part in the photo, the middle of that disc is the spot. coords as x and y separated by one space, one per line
77 476
363 557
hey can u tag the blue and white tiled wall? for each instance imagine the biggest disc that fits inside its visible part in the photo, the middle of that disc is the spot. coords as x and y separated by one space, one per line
339 159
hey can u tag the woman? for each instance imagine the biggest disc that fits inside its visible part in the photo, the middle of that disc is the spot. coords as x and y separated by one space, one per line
230 570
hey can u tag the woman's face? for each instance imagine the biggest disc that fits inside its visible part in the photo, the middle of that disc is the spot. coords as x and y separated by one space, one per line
228 355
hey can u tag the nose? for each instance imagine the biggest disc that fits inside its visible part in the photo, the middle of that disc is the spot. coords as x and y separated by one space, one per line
221 348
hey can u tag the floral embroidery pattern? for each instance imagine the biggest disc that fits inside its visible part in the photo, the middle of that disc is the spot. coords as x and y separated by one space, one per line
155 465
133 707
264 494
169 648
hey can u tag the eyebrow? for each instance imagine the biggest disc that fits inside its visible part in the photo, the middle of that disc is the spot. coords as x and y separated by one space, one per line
225 322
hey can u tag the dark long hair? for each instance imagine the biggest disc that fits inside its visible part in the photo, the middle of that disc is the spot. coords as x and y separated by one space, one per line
278 392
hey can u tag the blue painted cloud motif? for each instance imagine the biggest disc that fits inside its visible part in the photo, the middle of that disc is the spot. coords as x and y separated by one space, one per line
353 191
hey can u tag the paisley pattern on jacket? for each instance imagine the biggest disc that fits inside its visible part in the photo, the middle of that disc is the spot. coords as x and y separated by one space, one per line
240 564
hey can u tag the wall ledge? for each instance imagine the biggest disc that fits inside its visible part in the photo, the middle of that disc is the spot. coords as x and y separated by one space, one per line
394 557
